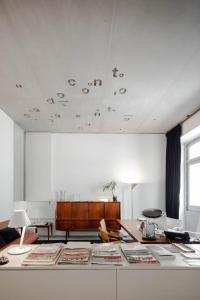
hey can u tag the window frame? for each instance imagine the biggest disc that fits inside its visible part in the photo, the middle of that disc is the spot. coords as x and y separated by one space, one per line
187 164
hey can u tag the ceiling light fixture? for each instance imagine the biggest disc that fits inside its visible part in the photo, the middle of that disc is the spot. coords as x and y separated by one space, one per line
110 109
85 91
57 115
50 101
18 85
122 91
128 116
35 109
61 95
27 115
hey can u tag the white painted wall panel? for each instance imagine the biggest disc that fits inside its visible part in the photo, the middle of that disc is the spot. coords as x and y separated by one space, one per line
38 167
6 166
82 163
18 163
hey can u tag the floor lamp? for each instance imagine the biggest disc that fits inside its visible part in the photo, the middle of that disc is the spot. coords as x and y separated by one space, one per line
133 185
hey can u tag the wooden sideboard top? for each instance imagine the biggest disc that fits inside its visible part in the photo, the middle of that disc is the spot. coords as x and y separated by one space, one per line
91 201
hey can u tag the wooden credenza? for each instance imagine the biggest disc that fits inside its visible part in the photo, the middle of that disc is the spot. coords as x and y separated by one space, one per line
71 216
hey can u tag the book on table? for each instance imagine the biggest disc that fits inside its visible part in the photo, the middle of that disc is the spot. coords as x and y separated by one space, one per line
106 254
183 247
161 251
74 256
137 253
44 255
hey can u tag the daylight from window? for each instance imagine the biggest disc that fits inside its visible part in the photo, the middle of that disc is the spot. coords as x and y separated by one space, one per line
193 171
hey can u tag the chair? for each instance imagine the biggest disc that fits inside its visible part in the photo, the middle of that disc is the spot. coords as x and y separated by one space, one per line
107 236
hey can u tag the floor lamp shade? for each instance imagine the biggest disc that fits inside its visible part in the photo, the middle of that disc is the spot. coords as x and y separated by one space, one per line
19 219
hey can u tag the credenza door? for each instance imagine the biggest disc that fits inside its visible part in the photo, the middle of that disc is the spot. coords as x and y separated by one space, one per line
79 215
63 216
112 212
96 212
63 210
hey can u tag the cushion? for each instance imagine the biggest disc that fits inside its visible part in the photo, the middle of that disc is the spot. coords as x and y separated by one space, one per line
152 213
9 234
2 242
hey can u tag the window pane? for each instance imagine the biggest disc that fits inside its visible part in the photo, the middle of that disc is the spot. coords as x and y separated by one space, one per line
194 150
194 184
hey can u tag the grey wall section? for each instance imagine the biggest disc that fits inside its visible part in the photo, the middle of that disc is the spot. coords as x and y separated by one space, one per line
6 166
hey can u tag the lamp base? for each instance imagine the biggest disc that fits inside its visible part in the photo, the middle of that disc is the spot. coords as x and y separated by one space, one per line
19 250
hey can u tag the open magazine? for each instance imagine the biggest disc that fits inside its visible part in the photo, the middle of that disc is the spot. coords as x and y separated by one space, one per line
138 253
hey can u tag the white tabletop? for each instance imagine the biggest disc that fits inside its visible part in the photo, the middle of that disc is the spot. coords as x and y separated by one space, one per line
176 262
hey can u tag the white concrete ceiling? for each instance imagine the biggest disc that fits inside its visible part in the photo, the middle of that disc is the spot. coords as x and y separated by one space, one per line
50 47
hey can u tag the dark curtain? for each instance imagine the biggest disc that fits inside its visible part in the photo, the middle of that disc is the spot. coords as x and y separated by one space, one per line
173 162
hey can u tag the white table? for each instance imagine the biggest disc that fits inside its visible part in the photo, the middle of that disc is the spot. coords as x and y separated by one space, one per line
172 279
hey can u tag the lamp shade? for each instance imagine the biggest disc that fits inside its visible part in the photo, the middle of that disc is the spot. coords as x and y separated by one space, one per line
20 205
19 219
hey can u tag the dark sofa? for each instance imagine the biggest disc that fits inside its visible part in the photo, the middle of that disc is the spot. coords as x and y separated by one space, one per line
29 238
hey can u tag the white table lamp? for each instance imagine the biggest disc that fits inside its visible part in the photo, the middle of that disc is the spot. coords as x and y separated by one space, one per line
19 219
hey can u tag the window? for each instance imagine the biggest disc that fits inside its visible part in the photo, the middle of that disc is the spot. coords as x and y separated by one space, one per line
193 175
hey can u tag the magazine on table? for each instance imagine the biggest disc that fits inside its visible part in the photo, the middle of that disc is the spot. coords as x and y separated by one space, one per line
74 256
106 254
44 255
137 253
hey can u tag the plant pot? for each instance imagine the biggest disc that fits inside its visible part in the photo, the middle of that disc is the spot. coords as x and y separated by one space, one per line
114 198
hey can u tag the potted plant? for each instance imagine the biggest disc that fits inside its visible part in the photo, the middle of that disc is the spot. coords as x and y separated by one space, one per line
111 186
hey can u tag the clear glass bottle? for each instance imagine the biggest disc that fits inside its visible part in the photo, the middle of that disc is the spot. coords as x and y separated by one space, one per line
163 221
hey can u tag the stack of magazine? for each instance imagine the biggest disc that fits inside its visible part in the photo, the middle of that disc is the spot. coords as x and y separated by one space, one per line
74 256
137 253
106 254
44 255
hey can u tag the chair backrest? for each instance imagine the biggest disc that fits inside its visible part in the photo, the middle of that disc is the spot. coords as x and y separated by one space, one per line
103 235
103 225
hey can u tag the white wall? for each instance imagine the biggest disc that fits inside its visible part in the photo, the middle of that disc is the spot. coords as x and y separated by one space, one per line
6 166
18 163
81 163
38 167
